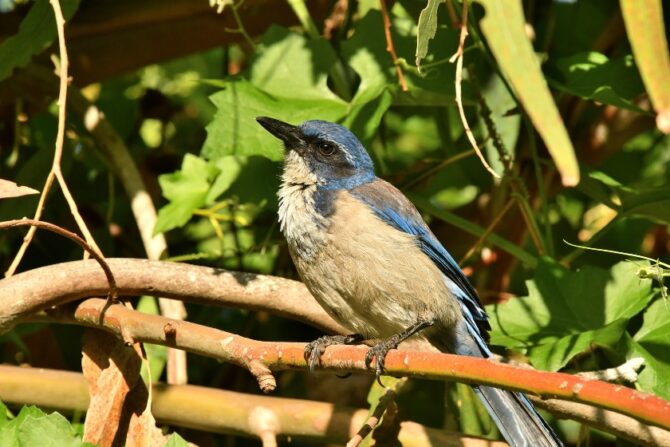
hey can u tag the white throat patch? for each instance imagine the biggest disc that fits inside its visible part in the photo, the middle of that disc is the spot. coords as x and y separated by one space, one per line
302 225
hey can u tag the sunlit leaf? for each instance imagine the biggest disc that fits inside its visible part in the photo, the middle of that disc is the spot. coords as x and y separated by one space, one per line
592 75
646 33
567 313
503 26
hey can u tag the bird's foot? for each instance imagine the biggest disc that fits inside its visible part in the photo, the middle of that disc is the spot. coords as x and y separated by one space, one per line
314 349
381 349
379 352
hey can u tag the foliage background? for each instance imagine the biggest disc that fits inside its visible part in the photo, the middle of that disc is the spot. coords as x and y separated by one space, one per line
190 125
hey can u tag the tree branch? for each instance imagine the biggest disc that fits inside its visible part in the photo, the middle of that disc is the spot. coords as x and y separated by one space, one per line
44 287
262 358
220 411
617 424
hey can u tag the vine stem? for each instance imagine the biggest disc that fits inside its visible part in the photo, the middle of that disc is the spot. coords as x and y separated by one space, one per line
458 57
55 172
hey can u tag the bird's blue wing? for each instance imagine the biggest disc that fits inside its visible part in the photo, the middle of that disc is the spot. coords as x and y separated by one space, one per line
392 207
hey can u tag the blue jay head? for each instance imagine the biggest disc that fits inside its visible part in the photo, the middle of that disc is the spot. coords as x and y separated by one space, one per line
332 154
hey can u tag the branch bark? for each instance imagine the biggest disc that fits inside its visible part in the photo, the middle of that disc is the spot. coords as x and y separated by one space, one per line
44 287
262 358
221 411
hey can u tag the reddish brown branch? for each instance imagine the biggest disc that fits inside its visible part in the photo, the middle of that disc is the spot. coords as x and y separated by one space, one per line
220 411
389 45
113 294
261 358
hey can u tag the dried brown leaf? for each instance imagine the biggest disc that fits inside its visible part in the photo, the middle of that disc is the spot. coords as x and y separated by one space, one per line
118 413
10 189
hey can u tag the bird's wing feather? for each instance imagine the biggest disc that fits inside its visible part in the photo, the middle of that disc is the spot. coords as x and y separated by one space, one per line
392 207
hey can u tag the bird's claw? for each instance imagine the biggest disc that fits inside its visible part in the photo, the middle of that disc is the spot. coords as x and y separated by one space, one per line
379 352
315 349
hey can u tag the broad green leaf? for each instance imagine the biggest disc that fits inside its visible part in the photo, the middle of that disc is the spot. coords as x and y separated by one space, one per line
567 312
653 339
655 376
36 32
187 191
51 430
291 66
234 130
426 29
652 342
32 427
591 75
229 170
503 26
288 81
646 33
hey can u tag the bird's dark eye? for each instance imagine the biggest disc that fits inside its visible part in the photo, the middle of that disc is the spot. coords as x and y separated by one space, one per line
326 148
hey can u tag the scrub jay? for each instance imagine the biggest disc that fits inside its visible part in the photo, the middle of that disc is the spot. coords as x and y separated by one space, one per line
370 260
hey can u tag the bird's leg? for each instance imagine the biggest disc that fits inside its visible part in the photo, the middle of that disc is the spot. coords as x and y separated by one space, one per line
314 349
382 348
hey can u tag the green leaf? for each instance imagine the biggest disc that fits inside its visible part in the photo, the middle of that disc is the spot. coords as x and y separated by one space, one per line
292 66
33 427
229 170
176 441
652 346
36 32
503 25
646 32
52 430
187 191
288 81
565 312
649 203
234 130
365 51
426 29
652 342
591 75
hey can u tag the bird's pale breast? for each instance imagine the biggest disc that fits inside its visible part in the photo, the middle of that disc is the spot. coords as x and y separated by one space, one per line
372 278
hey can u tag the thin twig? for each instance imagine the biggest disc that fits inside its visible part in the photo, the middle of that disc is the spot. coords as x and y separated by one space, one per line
113 292
458 57
389 45
55 172
443 164
488 231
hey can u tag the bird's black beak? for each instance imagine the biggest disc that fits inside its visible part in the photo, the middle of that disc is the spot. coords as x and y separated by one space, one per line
286 132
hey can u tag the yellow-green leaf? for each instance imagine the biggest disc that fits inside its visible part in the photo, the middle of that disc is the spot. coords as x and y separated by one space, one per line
503 27
646 32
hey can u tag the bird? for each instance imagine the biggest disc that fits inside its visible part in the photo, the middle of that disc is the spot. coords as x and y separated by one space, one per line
370 260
